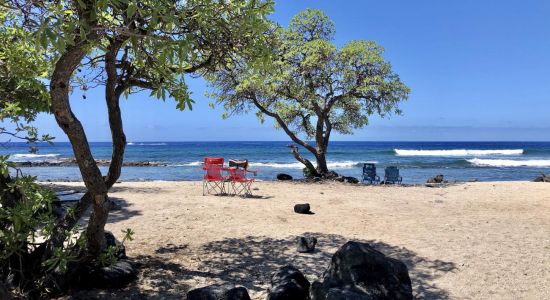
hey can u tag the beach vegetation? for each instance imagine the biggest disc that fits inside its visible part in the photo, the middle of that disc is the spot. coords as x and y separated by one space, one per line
310 87
125 47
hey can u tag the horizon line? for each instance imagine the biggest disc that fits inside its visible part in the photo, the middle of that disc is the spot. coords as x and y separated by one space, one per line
340 141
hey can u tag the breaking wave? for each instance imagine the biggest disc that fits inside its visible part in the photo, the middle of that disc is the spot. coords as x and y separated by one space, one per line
457 152
146 144
538 163
276 165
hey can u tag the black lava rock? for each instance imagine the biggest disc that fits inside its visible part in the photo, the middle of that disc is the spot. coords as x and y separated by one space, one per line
110 240
350 179
436 179
358 271
288 284
542 178
302 208
218 292
115 276
306 244
283 176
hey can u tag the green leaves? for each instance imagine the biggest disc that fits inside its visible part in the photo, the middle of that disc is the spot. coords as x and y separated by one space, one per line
310 86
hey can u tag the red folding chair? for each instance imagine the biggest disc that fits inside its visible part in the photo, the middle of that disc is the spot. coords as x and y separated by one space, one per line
213 180
240 184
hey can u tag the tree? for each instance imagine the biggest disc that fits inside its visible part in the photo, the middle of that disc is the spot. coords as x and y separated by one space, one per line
129 46
310 87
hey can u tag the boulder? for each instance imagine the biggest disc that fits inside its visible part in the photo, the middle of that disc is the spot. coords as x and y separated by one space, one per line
219 292
305 244
331 175
436 179
302 208
110 240
288 284
114 276
283 176
358 271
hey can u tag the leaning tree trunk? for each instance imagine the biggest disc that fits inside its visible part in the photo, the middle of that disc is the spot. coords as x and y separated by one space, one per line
91 175
309 166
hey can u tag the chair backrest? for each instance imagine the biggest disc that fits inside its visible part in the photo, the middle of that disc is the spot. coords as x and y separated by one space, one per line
213 167
238 163
213 161
369 170
237 173
392 172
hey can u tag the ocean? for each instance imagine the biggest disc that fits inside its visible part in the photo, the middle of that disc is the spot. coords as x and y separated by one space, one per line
417 161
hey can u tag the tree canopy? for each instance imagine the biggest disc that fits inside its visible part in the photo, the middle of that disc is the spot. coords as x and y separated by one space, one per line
23 92
310 86
124 46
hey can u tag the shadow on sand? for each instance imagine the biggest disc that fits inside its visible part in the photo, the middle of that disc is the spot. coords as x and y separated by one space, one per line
251 261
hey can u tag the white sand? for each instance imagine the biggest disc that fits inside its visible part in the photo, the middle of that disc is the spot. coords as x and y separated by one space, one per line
468 241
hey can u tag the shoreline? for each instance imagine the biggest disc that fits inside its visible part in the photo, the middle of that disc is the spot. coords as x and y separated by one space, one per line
308 182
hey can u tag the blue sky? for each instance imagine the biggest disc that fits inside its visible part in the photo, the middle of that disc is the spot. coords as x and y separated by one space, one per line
478 70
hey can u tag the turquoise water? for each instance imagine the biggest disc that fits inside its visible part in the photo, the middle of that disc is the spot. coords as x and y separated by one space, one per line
485 161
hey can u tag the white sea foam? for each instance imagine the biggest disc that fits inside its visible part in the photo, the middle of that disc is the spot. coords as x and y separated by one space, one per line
146 144
274 165
190 164
538 163
298 165
457 152
31 156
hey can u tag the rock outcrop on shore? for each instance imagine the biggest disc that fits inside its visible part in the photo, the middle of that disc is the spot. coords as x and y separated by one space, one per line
67 162
542 178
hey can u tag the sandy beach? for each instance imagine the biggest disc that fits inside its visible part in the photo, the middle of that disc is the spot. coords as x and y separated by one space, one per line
485 240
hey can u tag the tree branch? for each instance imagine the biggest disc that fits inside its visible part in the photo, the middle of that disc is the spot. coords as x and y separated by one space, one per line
281 123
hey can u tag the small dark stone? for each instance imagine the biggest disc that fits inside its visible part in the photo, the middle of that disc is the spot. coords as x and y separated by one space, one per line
218 292
306 244
358 271
436 179
288 284
302 208
283 176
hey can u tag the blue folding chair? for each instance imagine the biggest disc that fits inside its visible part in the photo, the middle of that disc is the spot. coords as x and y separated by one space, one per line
369 174
392 175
